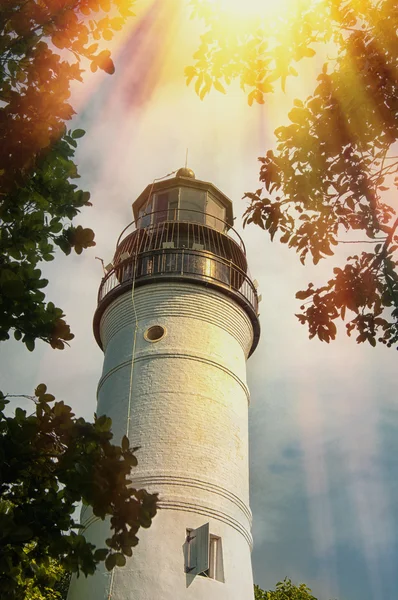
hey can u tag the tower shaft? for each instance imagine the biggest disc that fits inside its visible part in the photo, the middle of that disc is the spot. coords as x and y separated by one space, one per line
177 321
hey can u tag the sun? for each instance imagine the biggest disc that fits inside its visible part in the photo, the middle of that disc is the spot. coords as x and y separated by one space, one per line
250 10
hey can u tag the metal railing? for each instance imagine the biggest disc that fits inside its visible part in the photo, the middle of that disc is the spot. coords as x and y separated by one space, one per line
181 218
181 234
180 263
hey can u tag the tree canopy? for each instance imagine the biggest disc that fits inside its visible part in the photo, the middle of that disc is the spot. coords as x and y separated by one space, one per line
284 590
330 177
50 461
44 47
53 586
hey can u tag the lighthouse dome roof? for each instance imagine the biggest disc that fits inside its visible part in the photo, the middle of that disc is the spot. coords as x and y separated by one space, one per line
185 172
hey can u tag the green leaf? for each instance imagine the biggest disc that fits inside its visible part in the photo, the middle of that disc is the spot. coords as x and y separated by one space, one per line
20 414
56 227
42 283
218 86
125 443
41 389
47 398
110 561
297 115
29 343
100 554
120 559
145 520
86 197
302 295
78 133
103 423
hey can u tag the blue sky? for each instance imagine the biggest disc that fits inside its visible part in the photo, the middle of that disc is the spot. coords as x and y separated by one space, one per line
323 418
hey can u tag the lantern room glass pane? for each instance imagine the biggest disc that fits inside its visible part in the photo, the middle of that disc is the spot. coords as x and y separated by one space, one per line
215 216
192 205
166 205
173 207
144 215
161 206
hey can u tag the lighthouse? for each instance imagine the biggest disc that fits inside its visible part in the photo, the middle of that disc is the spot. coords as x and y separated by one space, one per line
177 318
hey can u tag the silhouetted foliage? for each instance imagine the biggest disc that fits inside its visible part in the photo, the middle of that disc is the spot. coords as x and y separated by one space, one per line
51 581
334 164
50 461
39 200
284 590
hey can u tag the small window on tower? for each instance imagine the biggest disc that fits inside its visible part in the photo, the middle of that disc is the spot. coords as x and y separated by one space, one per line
215 559
203 553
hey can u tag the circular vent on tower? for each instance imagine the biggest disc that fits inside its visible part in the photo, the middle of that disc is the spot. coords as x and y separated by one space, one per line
155 333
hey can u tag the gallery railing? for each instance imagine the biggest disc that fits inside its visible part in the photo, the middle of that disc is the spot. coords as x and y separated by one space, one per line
182 226
180 263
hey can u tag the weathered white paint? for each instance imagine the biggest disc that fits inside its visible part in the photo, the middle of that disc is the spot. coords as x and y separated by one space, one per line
188 402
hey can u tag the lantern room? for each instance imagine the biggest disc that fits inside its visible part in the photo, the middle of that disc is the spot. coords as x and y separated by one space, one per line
183 198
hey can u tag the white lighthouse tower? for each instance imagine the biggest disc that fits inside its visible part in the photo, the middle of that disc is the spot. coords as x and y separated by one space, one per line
177 318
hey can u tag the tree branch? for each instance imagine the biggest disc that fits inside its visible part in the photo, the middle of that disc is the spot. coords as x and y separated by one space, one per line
361 241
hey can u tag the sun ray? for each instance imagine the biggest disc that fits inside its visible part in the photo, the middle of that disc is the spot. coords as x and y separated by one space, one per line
250 10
